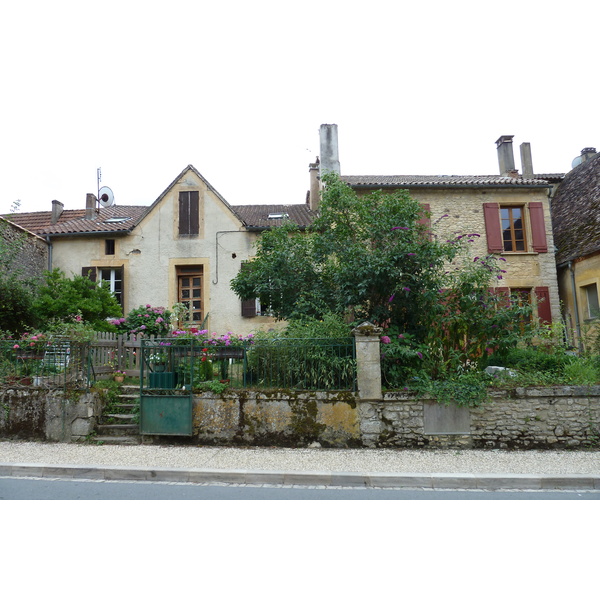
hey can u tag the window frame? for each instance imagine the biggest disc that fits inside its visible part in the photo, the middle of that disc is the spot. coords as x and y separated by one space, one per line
189 213
508 225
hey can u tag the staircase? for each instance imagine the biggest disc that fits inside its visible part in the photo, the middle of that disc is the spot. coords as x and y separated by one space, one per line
119 421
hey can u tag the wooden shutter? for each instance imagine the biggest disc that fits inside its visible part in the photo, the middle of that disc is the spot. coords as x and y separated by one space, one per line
249 308
544 309
493 231
538 227
503 295
89 272
189 213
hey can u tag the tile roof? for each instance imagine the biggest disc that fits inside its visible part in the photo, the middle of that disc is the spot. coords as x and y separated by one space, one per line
368 181
257 216
114 219
576 212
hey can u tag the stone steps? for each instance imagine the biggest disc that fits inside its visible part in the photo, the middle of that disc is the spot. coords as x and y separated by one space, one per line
122 427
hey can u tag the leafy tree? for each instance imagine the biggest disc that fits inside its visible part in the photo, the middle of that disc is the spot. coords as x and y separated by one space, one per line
61 298
371 257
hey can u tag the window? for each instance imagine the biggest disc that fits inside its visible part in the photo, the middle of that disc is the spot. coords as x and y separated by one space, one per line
590 297
507 227
513 229
189 291
109 246
189 213
114 277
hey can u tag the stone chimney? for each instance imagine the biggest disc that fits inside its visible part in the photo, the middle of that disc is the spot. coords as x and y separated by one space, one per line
57 209
506 158
330 161
526 162
587 153
90 206
314 193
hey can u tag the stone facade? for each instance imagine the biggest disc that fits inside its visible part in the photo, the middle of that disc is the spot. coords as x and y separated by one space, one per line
28 253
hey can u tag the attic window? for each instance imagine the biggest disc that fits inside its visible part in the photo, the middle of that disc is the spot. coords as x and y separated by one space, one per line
278 216
117 219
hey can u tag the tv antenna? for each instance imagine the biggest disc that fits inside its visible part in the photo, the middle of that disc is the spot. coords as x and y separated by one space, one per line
105 196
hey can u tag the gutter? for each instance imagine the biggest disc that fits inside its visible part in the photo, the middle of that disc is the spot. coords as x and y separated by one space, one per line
575 305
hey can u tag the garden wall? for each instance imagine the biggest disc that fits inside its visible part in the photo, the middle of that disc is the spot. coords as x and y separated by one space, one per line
525 418
52 415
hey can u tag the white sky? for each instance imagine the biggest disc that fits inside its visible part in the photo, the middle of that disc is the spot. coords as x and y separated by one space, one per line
239 89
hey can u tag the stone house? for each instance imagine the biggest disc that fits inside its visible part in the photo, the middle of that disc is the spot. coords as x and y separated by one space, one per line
575 217
189 244
23 252
509 211
185 247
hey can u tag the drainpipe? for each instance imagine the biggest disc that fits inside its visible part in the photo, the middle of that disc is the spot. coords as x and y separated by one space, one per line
576 307
49 252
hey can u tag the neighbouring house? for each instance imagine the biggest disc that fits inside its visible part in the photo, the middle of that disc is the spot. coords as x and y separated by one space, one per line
23 252
576 222
510 212
184 248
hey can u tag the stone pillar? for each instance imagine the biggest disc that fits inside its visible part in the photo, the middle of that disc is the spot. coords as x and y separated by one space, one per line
368 363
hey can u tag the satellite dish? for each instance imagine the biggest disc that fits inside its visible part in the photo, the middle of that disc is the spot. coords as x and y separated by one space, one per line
106 197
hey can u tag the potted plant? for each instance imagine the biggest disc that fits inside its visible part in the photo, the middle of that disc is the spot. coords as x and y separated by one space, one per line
119 376
158 361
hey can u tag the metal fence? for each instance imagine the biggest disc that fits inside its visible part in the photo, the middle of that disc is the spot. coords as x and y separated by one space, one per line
58 363
289 363
303 364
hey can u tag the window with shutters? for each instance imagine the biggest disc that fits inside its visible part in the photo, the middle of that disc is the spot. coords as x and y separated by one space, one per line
515 228
189 213
190 290
113 276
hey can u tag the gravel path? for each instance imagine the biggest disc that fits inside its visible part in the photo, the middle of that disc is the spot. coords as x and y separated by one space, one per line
305 459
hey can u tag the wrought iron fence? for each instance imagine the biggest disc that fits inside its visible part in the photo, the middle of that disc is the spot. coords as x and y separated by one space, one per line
301 363
52 364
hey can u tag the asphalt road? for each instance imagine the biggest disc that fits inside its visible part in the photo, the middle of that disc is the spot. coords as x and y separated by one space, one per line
18 488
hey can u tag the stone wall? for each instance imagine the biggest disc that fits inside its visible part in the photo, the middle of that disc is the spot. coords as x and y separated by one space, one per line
28 252
51 415
525 418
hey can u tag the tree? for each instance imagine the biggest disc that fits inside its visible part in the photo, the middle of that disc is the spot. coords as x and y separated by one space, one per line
61 298
365 256
375 257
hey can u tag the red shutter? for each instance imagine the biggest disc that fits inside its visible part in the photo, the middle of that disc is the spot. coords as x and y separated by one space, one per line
491 216
425 219
503 295
543 305
538 227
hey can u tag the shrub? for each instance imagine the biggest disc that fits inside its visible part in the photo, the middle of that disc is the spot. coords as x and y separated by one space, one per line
145 319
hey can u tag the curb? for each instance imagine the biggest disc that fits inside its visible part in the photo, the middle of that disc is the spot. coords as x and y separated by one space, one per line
311 478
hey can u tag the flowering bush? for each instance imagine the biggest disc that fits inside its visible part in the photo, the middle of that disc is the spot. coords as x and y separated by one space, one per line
145 319
32 343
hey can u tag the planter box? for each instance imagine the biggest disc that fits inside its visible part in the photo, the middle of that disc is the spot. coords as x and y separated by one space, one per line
166 415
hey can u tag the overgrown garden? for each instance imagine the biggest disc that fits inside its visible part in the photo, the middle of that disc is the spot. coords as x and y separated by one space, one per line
377 258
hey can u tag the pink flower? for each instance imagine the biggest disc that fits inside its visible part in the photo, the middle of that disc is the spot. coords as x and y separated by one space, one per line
385 339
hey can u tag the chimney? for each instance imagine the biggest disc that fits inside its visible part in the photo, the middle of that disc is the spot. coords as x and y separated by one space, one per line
330 162
315 188
526 162
57 208
90 206
505 154
587 153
